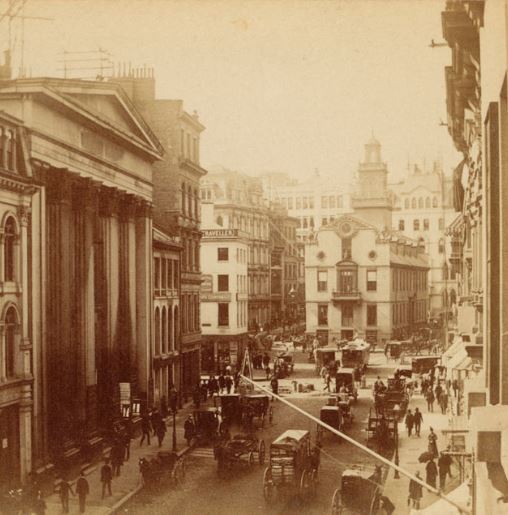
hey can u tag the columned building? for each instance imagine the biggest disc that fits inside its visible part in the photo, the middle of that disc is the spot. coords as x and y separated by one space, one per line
89 262
177 209
166 315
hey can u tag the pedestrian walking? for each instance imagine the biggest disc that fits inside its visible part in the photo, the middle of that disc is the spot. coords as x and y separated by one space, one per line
417 421
204 391
437 392
82 489
64 488
415 492
443 402
327 381
117 455
161 431
222 383
266 359
430 400
189 430
106 478
431 473
433 443
444 464
145 429
274 383
229 383
126 439
410 419
155 419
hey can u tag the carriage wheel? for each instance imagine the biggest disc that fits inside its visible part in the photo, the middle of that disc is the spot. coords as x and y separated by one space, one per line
268 487
251 459
336 503
261 452
305 485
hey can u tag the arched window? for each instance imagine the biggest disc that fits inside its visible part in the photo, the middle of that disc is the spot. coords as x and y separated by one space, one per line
420 203
413 203
9 255
434 202
11 321
406 203
220 221
164 331
157 331
427 202
171 336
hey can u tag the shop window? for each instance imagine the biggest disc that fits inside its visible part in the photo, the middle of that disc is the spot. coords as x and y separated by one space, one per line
322 314
223 314
223 282
9 239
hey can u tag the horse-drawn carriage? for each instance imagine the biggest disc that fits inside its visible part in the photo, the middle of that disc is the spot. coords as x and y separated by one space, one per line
230 407
356 355
359 492
242 449
293 467
256 405
165 465
381 429
206 425
345 377
324 357
283 365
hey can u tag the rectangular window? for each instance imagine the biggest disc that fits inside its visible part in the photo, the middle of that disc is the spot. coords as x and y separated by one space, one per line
322 284
223 254
426 224
223 314
222 282
322 314
416 224
441 224
371 280
324 202
371 314
401 225
347 315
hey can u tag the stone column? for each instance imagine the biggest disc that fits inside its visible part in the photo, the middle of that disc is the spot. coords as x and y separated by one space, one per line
144 300
59 300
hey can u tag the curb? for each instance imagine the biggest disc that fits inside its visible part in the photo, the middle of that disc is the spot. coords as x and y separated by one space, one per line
138 488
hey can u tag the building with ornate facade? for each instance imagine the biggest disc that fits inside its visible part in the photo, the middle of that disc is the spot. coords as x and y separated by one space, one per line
177 209
238 204
82 260
422 210
361 277
224 293
166 316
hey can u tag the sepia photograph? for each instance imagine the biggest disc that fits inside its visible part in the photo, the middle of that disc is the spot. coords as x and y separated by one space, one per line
252 257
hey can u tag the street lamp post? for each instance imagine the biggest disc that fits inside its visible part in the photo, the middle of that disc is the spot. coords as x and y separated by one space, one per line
396 414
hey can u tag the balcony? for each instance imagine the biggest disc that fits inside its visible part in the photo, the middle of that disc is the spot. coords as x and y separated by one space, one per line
347 296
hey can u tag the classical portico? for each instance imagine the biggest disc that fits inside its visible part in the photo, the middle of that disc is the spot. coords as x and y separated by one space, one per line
92 155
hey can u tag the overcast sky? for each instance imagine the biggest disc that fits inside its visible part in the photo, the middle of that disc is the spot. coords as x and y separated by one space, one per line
280 85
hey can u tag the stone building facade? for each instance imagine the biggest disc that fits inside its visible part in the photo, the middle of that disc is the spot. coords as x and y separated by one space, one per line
89 261
177 209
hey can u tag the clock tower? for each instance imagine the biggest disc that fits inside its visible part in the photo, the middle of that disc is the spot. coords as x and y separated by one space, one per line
372 200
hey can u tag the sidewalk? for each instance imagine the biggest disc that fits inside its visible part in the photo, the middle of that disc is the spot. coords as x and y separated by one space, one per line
410 449
128 483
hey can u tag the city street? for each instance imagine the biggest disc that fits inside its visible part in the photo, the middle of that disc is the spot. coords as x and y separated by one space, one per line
204 491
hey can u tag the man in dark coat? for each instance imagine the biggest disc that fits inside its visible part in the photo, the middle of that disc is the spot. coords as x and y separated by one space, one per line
415 492
161 431
410 419
82 489
189 429
274 383
444 464
155 419
431 473
117 455
64 488
417 420
145 429
229 383
106 478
